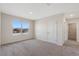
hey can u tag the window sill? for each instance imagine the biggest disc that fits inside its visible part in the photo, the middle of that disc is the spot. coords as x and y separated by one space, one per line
24 33
14 34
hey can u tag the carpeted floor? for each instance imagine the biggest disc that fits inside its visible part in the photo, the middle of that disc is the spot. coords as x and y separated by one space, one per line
37 48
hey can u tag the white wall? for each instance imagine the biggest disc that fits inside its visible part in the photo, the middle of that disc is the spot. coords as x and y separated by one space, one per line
65 31
53 31
7 34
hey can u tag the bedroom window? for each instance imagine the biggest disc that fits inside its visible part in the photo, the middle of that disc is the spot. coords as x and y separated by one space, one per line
20 26
16 24
25 27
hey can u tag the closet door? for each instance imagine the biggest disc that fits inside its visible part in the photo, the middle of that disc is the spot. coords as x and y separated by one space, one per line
0 28
52 31
41 30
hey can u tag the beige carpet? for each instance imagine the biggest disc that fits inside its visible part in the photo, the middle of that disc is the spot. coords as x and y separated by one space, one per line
71 43
37 48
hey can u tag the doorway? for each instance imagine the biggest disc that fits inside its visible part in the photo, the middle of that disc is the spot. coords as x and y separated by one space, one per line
72 31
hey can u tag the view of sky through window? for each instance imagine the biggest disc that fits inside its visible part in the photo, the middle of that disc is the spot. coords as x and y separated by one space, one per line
25 25
17 24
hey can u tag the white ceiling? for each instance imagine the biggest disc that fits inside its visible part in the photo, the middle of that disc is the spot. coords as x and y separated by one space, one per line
38 10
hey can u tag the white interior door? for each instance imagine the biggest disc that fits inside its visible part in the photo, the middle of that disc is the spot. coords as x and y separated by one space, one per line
52 31
0 28
41 30
46 30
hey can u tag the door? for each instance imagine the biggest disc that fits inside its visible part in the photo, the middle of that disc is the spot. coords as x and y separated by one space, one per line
41 30
72 31
52 30
0 28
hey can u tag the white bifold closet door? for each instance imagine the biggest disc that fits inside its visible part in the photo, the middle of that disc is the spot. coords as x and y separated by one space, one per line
46 30
52 29
0 28
41 30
